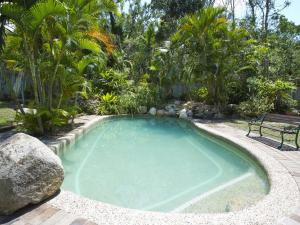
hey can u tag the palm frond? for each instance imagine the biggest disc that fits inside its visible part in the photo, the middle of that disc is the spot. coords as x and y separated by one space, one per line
103 37
89 45
109 6
83 63
43 9
12 12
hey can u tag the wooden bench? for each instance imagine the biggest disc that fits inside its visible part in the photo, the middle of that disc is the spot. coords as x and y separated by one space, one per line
292 128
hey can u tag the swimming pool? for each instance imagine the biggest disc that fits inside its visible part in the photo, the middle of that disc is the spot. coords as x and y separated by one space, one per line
162 165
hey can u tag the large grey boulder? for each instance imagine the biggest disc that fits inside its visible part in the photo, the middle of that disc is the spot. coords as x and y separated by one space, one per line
29 172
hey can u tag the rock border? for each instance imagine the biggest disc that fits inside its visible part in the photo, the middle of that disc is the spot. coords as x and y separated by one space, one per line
282 199
62 143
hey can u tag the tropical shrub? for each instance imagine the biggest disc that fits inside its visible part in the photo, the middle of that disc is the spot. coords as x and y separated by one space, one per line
141 94
51 120
90 105
200 94
146 94
54 42
108 104
212 51
255 106
278 92
110 81
267 96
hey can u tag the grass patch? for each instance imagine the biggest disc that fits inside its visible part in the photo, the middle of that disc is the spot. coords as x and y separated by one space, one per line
243 125
7 114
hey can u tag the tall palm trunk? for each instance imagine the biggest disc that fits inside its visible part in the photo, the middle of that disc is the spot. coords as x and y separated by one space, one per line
52 80
32 68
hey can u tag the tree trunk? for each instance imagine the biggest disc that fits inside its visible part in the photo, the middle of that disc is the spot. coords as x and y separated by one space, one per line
32 67
252 9
266 19
52 80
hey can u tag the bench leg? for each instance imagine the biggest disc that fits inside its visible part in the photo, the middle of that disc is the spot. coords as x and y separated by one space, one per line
249 130
260 133
296 141
282 139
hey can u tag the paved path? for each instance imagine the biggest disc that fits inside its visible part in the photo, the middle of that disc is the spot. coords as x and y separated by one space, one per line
44 214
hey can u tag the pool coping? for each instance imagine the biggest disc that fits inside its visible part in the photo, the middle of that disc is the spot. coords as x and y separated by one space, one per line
282 200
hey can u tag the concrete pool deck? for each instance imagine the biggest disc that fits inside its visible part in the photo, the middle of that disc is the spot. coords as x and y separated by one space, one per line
280 206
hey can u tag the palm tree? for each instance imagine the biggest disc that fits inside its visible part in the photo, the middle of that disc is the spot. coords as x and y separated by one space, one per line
28 22
210 43
4 19
55 36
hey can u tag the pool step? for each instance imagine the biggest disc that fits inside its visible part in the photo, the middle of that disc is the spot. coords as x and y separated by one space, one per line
44 214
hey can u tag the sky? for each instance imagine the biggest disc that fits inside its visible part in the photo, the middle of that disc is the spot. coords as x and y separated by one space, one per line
292 12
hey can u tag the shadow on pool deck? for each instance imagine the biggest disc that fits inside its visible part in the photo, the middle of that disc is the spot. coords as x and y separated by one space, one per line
27 209
272 143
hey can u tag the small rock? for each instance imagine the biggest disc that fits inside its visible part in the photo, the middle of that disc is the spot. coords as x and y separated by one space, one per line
183 114
188 105
152 111
28 111
189 113
160 112
171 112
29 172
170 107
177 102
142 109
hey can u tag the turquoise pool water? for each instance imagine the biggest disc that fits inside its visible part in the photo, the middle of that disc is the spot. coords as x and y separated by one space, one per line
161 165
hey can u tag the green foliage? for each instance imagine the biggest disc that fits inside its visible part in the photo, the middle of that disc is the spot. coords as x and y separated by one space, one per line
43 9
278 92
7 114
129 101
170 11
89 45
213 51
108 104
268 96
86 53
53 119
141 94
255 107
200 94
112 81
56 43
174 9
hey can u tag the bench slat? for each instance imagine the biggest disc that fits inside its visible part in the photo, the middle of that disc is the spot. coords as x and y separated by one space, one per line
295 120
278 129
